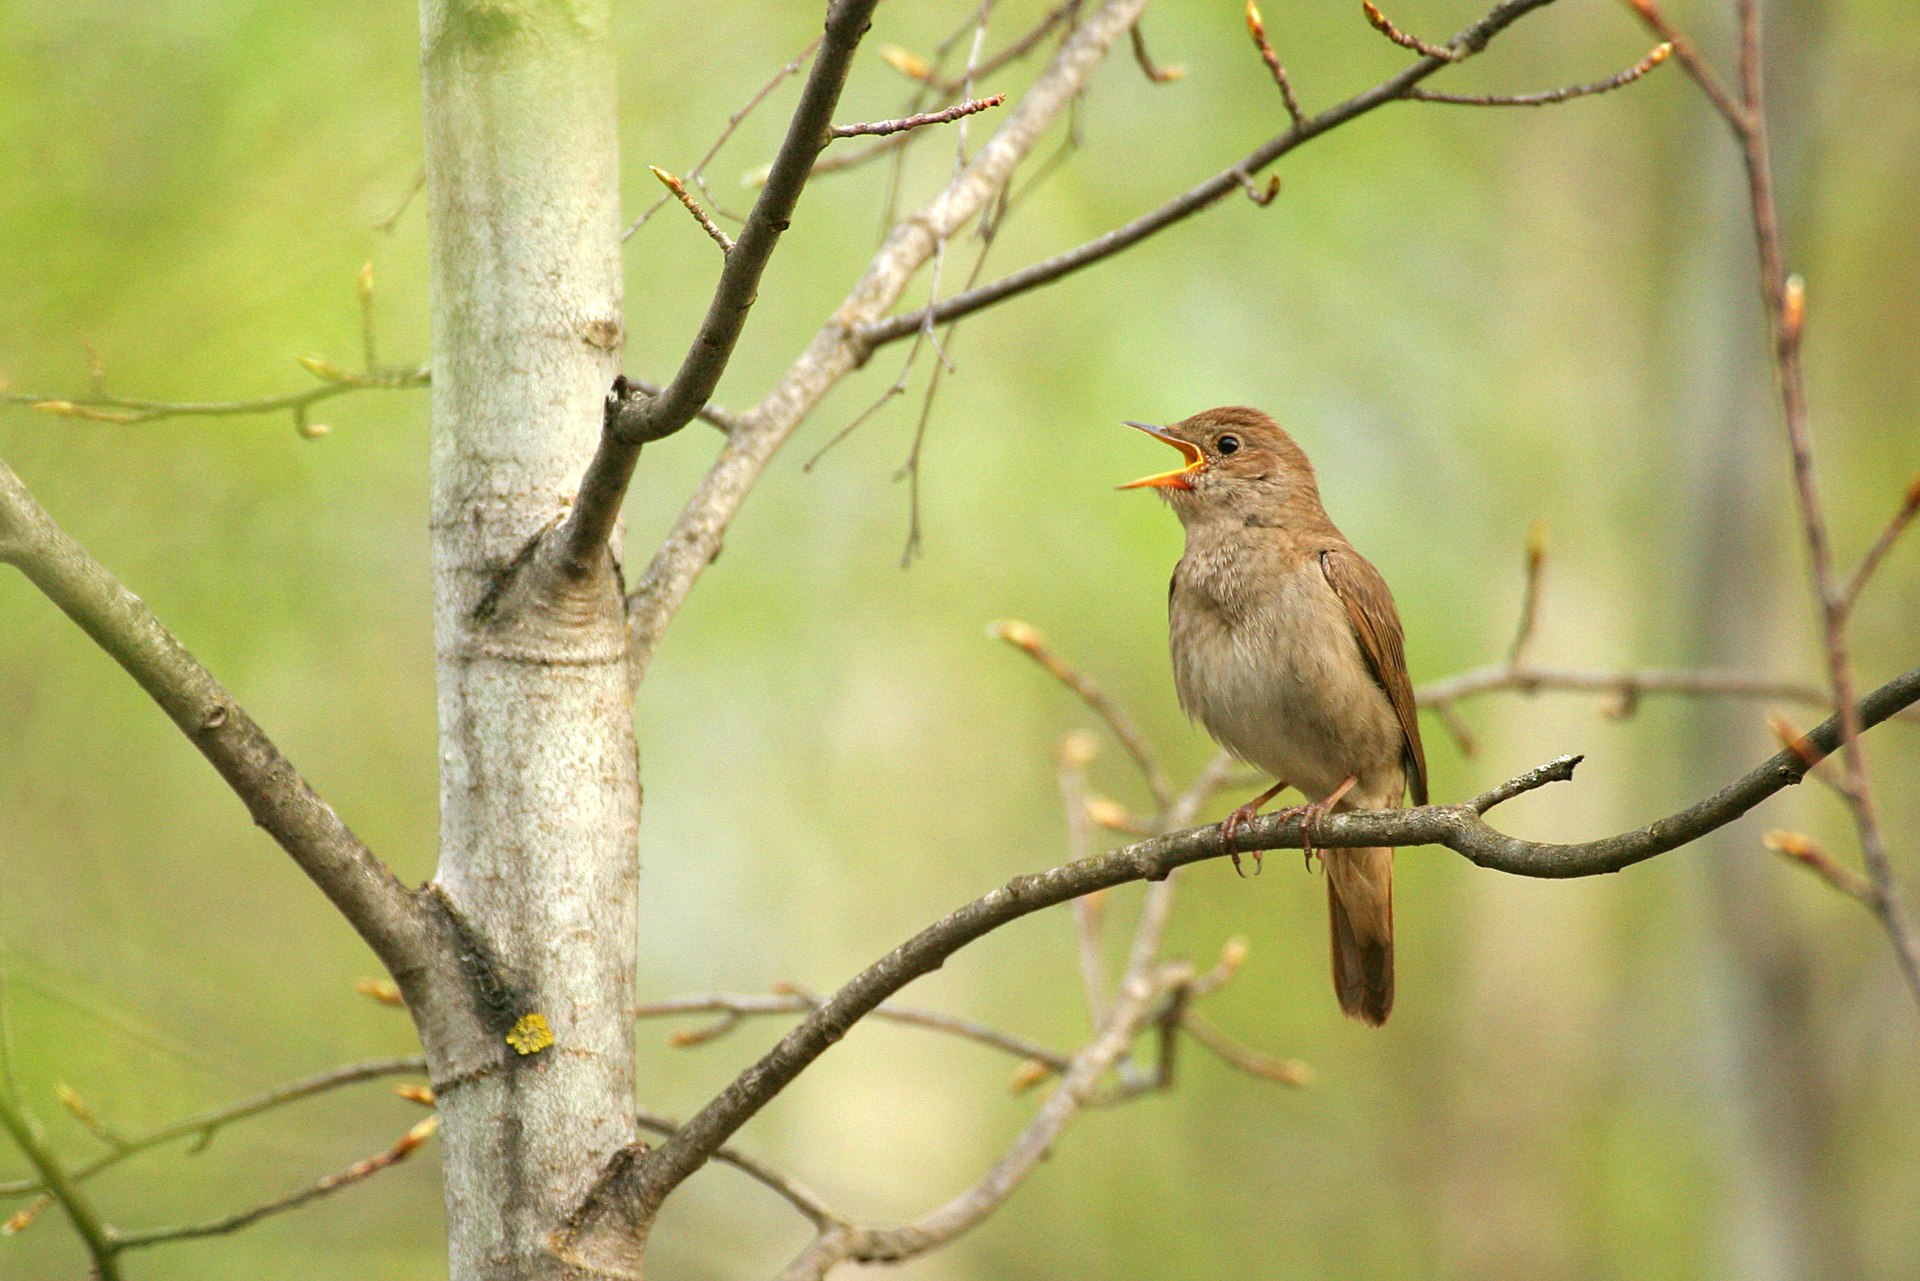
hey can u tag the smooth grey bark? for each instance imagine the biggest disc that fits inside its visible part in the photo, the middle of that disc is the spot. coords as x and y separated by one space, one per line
539 788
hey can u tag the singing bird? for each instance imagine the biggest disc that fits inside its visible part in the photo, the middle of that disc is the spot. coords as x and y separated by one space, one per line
1287 648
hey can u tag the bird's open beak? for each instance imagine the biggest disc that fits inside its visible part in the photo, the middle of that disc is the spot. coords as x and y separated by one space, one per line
1180 478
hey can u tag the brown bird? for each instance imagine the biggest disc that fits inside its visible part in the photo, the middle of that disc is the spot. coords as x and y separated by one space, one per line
1287 648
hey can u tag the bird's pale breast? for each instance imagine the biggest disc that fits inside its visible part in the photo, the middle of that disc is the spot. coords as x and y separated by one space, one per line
1267 662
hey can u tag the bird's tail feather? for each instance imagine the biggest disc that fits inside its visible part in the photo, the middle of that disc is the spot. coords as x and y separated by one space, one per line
1360 908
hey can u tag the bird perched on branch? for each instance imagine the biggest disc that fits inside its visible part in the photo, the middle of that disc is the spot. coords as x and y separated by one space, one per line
1287 648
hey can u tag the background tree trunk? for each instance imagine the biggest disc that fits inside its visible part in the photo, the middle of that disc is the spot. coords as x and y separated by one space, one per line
539 787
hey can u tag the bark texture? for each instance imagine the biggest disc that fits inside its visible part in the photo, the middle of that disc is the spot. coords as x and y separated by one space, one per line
539 789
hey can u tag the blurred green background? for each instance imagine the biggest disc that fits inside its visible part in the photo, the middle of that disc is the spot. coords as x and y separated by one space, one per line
1706 1067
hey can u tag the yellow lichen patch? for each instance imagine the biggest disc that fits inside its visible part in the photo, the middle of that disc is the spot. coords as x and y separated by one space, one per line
531 1034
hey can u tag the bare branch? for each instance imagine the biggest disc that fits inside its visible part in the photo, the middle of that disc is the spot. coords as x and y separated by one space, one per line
733 122
1800 849
1258 30
1902 517
1446 52
1471 40
375 903
1154 73
1629 683
1783 296
1529 594
733 1007
1027 639
93 1232
127 410
679 192
1696 66
635 1185
1550 96
795 1193
202 1126
352 1174
1132 1011
633 423
837 349
1288 1072
876 128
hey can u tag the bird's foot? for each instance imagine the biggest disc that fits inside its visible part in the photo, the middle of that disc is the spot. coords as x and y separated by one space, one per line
1232 823
1239 818
1309 815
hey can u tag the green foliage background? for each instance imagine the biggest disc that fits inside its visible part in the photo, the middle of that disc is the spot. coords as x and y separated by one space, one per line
1703 1068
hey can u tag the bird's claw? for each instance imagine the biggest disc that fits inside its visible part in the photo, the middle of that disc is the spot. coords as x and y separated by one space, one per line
1232 823
1309 815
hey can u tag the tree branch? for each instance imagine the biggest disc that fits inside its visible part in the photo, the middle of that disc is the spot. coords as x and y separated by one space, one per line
93 1232
638 1184
375 903
1132 1011
1783 298
324 1186
632 423
204 1125
794 1193
838 349
1470 40
732 1007
1550 96
878 128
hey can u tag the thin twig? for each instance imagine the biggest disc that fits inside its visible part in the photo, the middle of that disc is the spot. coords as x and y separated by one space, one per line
1027 639
324 1186
1800 849
1289 1072
1626 683
732 1007
127 410
1529 595
795 1193
202 1126
733 122
1381 23
679 192
1550 96
1783 296
1155 73
1889 535
1696 66
1258 30
1471 40
93 1232
1132 1011
878 128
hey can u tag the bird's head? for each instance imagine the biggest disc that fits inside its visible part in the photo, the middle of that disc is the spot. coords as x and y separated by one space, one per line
1238 461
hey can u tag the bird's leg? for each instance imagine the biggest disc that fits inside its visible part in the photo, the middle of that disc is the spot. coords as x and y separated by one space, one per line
1243 815
1312 812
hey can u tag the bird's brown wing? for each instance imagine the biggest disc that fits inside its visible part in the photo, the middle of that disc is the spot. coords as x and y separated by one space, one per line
1376 624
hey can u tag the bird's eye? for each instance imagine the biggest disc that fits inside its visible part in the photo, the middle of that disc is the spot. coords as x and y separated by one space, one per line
1228 444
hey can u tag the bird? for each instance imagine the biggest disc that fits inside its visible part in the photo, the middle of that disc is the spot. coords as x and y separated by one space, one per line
1288 650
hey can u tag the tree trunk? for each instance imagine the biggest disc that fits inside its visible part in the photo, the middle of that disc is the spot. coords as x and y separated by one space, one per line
539 787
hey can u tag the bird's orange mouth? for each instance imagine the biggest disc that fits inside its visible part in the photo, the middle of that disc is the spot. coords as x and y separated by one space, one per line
1180 477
